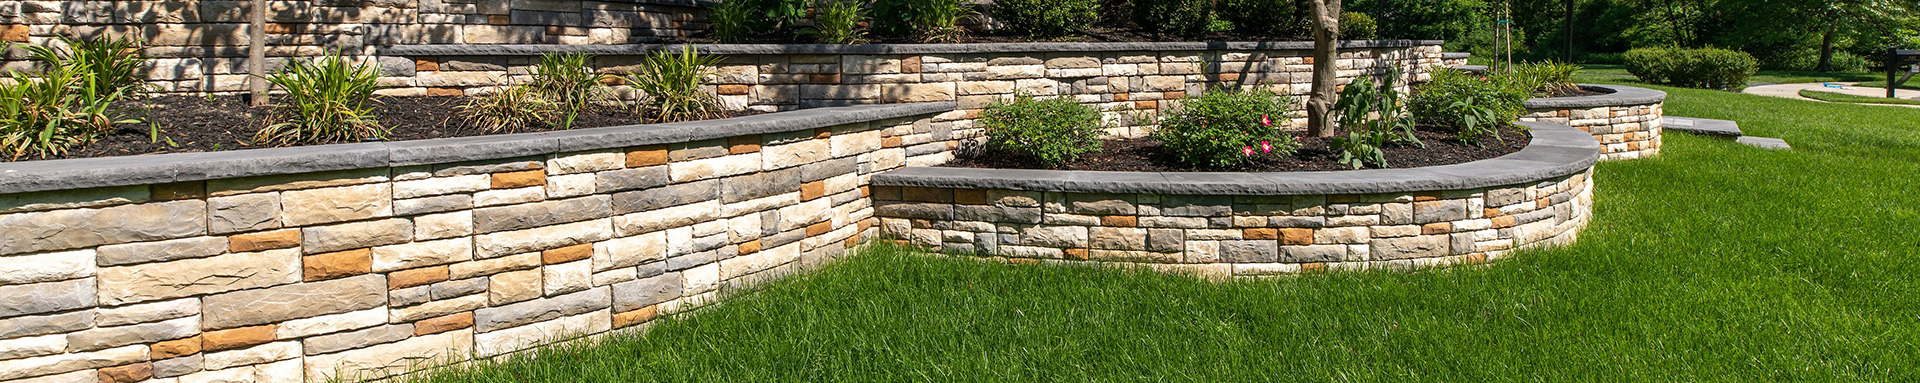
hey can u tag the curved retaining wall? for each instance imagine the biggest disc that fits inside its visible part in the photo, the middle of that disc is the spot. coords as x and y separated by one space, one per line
1626 120
281 265
1248 224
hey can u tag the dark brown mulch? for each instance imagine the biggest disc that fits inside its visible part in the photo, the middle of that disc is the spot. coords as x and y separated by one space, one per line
1574 92
1145 155
199 124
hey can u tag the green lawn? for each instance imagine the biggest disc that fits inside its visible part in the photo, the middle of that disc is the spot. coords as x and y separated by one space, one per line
1843 97
1882 84
1710 262
1618 73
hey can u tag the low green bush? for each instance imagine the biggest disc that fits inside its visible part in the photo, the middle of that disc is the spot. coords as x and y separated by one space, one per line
1709 68
1052 130
1178 17
670 86
326 101
927 20
1358 26
1221 128
1373 117
1047 18
837 22
1264 17
1468 105
568 81
69 102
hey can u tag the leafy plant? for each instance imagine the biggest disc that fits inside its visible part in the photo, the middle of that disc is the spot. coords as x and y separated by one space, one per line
1047 18
1264 17
670 86
1223 128
326 102
1708 68
1468 105
732 21
1053 130
1179 17
1373 118
113 63
930 20
837 22
517 107
1357 26
61 109
1541 79
781 15
568 81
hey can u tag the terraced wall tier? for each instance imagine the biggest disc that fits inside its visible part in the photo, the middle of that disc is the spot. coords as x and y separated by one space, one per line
1626 120
1253 224
297 264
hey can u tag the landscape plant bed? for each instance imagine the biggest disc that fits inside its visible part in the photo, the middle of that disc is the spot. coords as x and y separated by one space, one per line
200 124
1314 154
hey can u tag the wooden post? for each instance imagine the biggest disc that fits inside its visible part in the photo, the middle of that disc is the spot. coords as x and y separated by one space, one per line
1326 57
257 52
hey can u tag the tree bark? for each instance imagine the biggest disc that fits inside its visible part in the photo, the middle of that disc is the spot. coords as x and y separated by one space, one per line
1826 49
1326 56
257 52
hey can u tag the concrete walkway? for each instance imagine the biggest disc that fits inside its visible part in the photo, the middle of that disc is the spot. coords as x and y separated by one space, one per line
1793 91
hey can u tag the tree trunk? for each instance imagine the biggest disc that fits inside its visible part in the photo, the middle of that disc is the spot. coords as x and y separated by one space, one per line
257 52
1826 49
1326 56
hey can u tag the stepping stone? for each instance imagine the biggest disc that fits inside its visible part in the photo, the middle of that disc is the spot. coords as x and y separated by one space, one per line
1703 127
1764 142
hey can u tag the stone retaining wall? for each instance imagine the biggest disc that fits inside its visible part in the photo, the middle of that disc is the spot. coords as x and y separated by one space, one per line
1250 224
281 265
1626 121
1133 81
202 45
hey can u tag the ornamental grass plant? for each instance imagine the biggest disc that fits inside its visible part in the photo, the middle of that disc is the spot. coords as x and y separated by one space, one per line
69 103
327 100
670 85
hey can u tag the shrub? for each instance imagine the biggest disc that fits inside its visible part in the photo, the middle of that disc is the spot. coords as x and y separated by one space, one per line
929 20
1223 128
568 81
670 85
511 109
1047 18
1357 26
837 22
1264 17
1052 131
779 15
1540 79
1808 60
1373 118
1709 68
112 63
1179 17
732 21
1468 105
61 109
326 101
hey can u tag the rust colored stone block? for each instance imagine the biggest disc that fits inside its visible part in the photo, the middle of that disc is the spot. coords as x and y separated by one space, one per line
1426 196
866 191
822 133
910 65
1313 267
819 229
237 338
630 318
891 142
824 78
179 191
1079 254
1173 95
743 144
750 247
1149 104
519 179
279 29
1121 97
499 19
416 277
443 324
1296 236
14 33
1436 228
445 92
266 240
174 348
734 90
426 64
567 254
1503 222
127 374
970 197
336 265
813 190
1119 221
647 156
1261 233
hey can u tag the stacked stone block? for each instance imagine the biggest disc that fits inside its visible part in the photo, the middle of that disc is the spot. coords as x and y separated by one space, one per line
1241 235
1625 131
201 45
299 277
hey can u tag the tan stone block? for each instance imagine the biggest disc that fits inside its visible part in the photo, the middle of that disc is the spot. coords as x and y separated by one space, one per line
1113 220
320 239
1436 228
127 374
303 300
567 254
176 348
14 33
336 204
337 264
268 240
52 230
812 190
416 277
647 156
1078 254
485 267
198 276
237 338
70 362
1296 236
750 247
419 254
630 318
443 324
514 286
520 179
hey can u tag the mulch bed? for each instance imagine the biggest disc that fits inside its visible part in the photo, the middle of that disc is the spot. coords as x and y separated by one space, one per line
199 124
1145 155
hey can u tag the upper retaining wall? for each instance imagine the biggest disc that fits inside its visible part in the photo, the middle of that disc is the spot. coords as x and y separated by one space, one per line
281 265
1626 120
1253 223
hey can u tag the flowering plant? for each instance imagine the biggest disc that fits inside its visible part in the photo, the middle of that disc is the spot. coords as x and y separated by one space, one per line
1225 129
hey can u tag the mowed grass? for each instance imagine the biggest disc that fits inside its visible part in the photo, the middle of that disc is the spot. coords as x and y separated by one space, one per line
1618 73
1843 97
1711 262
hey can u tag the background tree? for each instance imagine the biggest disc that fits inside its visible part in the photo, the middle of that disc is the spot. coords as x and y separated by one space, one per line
1326 43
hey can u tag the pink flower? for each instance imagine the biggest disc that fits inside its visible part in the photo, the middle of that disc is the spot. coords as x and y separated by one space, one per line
1247 151
1266 146
1264 120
